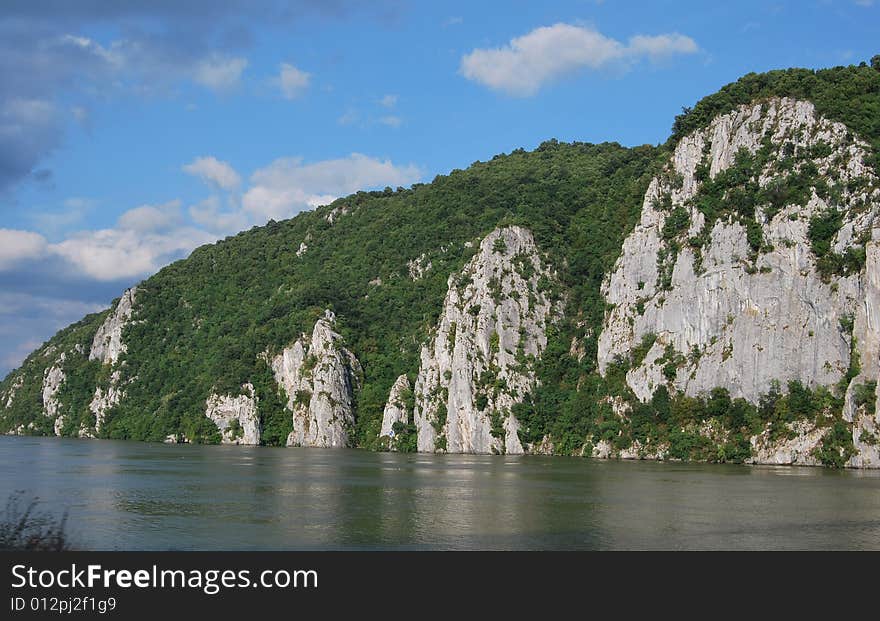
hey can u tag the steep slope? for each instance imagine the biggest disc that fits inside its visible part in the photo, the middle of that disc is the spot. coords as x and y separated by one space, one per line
715 298
320 377
205 328
481 362
747 270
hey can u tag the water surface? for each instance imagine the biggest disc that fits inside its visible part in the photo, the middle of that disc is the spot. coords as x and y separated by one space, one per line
132 495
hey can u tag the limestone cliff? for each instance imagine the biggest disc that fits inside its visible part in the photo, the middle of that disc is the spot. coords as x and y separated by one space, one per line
108 346
725 281
52 380
320 377
396 410
235 416
479 362
862 403
105 398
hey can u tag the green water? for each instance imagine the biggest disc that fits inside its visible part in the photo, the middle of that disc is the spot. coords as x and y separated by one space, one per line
129 495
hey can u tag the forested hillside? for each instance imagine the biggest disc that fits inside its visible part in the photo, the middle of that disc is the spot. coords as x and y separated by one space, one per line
801 146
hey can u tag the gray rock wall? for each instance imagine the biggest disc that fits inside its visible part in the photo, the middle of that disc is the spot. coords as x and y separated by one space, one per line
480 362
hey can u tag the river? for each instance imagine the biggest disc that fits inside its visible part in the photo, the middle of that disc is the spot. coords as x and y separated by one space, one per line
141 496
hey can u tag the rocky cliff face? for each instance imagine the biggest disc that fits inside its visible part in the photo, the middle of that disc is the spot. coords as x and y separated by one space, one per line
235 416
396 409
105 398
862 404
320 377
480 360
744 269
108 346
52 380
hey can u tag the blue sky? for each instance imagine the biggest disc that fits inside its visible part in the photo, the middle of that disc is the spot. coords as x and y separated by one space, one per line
133 131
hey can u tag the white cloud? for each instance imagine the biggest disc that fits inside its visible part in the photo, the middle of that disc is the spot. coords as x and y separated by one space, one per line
151 218
287 186
16 246
113 254
220 73
545 54
865 3
208 214
388 101
661 46
148 237
26 320
214 171
113 56
293 82
391 121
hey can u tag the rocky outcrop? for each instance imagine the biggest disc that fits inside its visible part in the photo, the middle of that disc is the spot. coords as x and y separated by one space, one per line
862 404
737 304
53 378
737 323
337 212
866 441
9 396
396 409
419 266
107 346
103 399
235 416
798 448
320 377
606 450
480 361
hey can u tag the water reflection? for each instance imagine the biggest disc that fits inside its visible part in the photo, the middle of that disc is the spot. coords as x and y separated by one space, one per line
123 495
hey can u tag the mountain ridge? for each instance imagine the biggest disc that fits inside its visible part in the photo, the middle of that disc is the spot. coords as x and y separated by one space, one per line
383 263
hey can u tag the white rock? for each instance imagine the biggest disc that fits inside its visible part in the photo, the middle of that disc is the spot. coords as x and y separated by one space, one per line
418 267
107 346
17 383
493 322
749 328
103 400
797 451
337 212
235 416
780 322
53 378
866 331
395 409
320 377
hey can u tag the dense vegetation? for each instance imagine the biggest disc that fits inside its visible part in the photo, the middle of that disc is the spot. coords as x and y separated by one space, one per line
848 94
202 324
